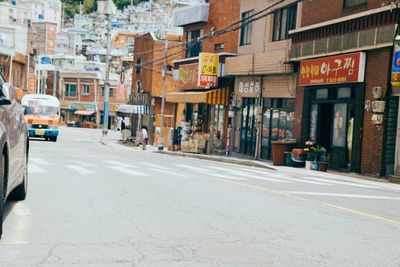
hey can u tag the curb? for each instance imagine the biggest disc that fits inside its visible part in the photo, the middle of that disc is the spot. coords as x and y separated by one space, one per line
219 159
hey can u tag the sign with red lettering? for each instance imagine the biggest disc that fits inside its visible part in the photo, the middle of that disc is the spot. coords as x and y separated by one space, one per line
347 68
208 70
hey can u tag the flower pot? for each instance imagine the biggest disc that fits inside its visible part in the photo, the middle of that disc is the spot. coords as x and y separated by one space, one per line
278 150
314 166
308 164
322 166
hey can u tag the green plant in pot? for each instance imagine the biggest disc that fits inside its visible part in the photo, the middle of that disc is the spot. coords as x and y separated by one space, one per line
321 158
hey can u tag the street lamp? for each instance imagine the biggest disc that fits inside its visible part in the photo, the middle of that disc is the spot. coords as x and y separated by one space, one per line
106 8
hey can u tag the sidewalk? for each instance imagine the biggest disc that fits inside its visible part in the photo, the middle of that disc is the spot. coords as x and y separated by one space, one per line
238 159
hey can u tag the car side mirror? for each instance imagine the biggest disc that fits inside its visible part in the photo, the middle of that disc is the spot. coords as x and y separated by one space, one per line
7 94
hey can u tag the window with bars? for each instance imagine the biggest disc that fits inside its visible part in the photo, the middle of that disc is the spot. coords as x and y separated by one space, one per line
247 28
284 21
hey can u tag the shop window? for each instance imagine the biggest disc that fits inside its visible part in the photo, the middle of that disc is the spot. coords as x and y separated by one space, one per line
193 44
351 3
284 21
322 94
70 90
246 29
344 92
86 89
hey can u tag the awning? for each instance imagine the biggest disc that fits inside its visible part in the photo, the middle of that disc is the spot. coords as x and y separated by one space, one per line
133 109
213 97
84 112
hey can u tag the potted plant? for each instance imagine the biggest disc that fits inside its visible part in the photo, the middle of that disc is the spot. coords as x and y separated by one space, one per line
310 154
279 148
321 158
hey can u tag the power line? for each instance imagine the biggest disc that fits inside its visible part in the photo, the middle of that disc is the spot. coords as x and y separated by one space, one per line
221 31
224 30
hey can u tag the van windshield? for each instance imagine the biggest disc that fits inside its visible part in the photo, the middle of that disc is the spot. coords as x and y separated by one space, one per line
41 111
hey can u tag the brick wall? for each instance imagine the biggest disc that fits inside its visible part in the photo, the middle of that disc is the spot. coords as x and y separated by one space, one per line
324 10
373 136
222 13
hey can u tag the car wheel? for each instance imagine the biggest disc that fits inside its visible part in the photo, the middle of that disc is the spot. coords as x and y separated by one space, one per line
54 139
20 192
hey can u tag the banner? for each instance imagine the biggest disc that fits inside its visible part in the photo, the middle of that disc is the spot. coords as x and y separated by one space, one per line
347 68
208 70
396 65
188 76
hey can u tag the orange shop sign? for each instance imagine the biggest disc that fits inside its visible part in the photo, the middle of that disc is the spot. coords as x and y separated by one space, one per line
188 76
347 68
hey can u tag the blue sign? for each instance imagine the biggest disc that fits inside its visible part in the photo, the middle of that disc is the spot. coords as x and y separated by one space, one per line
396 61
45 60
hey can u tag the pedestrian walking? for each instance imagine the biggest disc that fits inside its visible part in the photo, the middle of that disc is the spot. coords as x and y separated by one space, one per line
145 137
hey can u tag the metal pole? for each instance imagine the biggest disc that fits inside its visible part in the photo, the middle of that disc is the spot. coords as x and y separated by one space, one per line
107 82
164 80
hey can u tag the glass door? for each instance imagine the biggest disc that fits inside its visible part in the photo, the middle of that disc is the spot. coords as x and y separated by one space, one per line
249 123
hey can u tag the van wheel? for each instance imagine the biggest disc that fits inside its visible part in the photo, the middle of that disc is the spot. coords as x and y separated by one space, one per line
54 139
20 192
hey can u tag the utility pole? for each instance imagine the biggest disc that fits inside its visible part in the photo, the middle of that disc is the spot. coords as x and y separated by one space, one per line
106 8
164 81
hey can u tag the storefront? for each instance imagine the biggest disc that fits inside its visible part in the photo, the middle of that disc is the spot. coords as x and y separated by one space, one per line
79 114
333 112
204 113
264 111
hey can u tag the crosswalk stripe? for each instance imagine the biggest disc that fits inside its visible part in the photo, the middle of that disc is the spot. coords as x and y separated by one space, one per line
248 175
127 171
33 168
80 170
229 177
120 164
342 183
153 166
300 180
198 169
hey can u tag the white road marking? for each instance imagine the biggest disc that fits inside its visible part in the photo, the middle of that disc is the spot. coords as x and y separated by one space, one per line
80 170
33 168
342 195
247 175
300 180
127 171
83 163
229 177
341 182
197 169
120 164
153 166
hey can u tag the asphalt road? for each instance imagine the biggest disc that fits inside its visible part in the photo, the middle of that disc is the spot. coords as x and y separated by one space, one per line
95 205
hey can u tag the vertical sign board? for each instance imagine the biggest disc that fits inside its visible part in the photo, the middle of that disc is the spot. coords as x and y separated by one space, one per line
396 65
32 84
346 68
208 70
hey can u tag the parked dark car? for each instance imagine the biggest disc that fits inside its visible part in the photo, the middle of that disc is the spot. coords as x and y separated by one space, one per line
14 145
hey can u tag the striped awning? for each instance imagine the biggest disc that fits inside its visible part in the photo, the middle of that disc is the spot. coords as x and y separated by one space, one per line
213 97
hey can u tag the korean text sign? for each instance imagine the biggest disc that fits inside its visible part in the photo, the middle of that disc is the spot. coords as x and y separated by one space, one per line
208 70
347 68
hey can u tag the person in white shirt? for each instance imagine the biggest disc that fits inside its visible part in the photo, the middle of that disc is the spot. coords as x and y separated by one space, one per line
145 137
